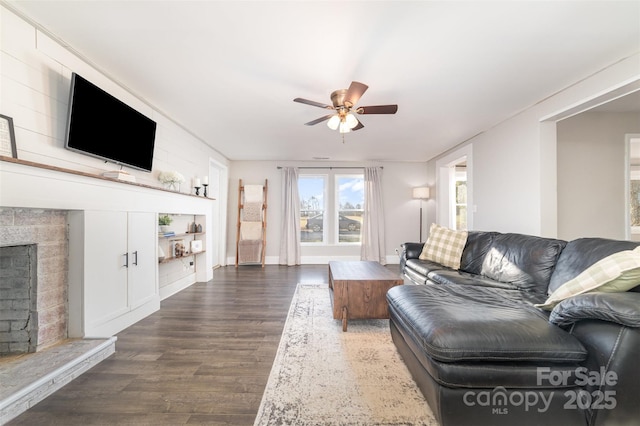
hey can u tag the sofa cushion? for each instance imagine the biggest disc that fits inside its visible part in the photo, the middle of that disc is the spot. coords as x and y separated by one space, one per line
475 250
444 246
619 308
615 273
524 261
468 323
423 267
580 254
448 276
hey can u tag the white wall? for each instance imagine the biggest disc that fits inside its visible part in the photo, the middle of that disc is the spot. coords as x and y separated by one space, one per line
591 174
35 84
515 166
401 212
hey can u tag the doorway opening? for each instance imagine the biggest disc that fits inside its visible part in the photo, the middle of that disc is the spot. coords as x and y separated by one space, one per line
454 196
632 189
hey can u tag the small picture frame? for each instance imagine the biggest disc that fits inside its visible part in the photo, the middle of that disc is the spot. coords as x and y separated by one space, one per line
7 137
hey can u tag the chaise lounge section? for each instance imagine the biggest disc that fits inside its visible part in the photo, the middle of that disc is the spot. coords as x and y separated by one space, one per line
486 348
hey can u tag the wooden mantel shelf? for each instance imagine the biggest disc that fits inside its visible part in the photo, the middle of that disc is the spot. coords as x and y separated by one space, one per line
90 175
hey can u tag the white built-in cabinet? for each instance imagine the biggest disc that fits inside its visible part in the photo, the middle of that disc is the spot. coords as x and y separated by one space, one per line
113 271
115 278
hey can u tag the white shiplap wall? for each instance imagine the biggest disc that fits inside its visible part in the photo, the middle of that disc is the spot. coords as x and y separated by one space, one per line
34 90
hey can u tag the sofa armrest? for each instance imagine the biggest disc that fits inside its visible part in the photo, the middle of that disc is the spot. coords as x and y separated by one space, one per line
620 308
411 250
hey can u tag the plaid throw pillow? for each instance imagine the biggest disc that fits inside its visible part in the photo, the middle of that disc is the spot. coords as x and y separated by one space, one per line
444 246
615 273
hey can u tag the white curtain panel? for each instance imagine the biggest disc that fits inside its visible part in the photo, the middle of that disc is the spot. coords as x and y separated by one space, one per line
373 245
290 235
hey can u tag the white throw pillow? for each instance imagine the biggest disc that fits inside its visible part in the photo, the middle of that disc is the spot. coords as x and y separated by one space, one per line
615 273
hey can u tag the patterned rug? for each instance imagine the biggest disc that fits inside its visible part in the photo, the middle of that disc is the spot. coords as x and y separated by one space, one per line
324 376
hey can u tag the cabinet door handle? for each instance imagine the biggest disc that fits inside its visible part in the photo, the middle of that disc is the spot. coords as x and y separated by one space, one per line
135 257
126 260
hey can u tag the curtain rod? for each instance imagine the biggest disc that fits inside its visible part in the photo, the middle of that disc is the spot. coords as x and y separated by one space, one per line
331 167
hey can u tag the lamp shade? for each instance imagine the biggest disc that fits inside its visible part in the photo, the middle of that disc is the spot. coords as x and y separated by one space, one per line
421 193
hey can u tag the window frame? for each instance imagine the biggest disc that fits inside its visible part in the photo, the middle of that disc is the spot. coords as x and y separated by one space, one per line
330 231
337 210
324 207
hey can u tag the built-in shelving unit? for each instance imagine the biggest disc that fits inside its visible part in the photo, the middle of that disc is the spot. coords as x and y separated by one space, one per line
178 267
186 235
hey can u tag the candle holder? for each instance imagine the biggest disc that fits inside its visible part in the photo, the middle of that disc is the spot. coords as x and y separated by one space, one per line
205 188
197 190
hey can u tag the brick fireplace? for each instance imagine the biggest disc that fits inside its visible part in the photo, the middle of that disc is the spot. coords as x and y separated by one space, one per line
34 275
18 295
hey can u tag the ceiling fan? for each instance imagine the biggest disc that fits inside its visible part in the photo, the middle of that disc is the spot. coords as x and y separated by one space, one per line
344 101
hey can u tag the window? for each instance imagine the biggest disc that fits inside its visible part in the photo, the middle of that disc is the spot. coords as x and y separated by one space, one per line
312 207
633 154
350 202
635 205
461 198
331 208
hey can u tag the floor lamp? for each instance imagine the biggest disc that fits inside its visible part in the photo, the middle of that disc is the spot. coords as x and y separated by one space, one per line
421 193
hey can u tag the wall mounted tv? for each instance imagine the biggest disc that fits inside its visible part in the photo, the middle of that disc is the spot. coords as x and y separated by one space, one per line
104 127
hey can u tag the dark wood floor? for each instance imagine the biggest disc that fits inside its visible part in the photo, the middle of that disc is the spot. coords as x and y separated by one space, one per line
204 358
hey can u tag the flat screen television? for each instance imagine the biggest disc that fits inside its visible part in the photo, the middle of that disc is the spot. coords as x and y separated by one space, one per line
104 127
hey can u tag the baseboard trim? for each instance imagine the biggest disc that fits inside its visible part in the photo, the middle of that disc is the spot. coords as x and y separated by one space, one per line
318 260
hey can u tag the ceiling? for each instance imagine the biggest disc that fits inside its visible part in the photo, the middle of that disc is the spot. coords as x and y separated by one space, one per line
228 71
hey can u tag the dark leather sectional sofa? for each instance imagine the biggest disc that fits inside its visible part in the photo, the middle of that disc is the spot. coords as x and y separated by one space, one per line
482 354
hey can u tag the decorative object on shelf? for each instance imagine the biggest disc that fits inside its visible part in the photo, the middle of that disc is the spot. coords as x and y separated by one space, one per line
205 183
171 180
163 222
196 246
119 175
7 137
193 228
199 228
179 249
197 185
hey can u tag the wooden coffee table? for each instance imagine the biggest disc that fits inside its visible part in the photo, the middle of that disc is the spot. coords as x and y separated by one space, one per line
359 290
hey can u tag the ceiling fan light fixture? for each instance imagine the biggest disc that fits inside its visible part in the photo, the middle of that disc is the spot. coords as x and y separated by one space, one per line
344 100
334 122
351 120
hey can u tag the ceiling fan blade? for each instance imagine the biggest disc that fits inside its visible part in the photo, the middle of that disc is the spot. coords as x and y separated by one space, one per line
378 109
355 91
312 103
319 120
358 126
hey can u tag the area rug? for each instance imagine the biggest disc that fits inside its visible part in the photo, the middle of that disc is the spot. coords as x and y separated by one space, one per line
324 376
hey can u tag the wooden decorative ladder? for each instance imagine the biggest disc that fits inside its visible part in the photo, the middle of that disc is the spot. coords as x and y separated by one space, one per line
252 223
